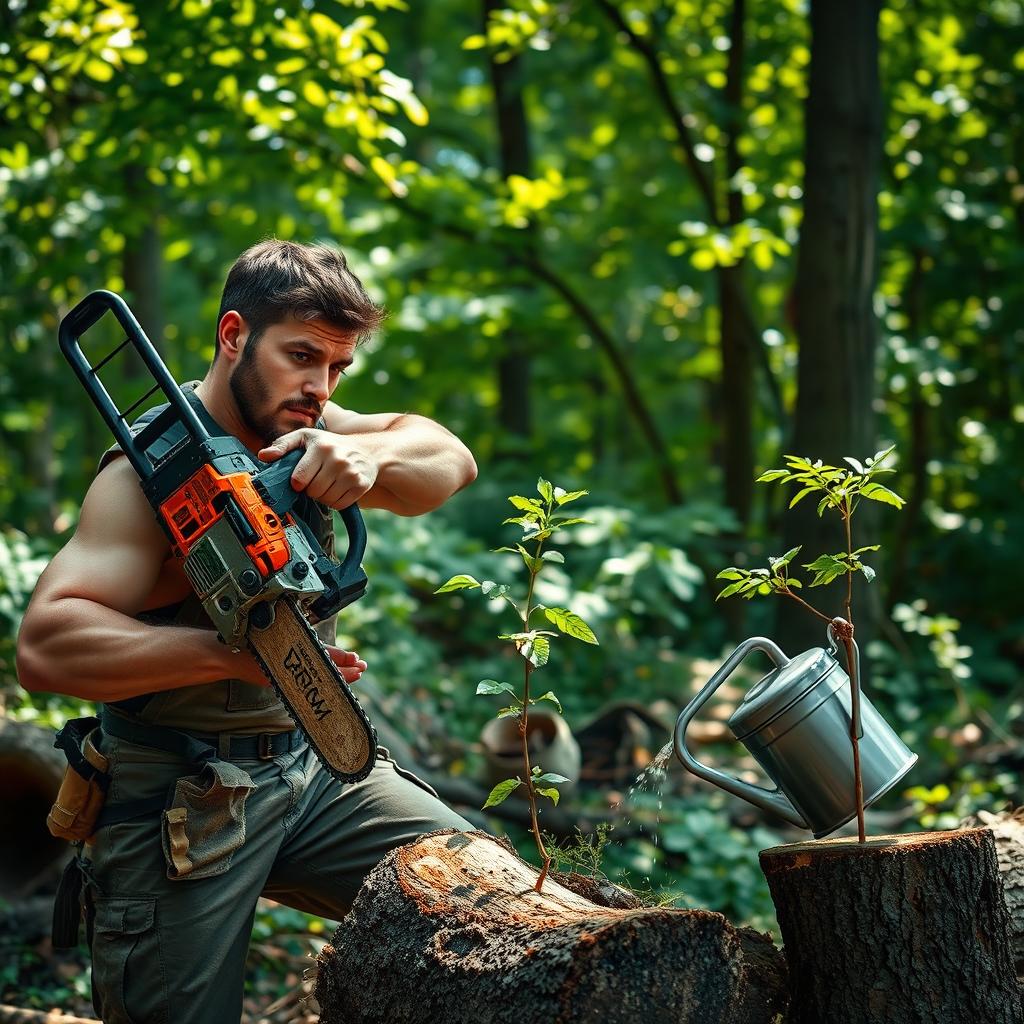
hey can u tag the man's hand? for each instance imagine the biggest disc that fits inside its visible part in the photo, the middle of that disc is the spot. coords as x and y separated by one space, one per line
335 470
244 666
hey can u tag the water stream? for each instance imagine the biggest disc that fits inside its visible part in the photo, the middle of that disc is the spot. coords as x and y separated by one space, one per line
650 780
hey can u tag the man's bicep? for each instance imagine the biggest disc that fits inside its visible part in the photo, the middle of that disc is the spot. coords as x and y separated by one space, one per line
117 551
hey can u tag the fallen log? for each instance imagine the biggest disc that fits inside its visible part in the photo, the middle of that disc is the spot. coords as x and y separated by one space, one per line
450 928
901 929
30 774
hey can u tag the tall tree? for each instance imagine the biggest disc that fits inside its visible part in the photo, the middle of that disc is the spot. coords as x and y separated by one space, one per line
514 151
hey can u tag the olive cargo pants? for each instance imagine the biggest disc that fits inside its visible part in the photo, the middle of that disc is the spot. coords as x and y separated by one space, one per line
170 899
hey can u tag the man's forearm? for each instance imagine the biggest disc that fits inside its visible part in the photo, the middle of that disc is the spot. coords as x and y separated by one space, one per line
420 463
96 653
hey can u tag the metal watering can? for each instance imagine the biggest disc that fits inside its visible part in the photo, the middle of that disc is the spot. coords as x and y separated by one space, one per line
796 722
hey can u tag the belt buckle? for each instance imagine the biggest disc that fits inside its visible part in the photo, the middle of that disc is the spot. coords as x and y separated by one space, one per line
264 745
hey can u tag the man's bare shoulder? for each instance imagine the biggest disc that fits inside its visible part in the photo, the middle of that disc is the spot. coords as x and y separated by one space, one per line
115 555
115 507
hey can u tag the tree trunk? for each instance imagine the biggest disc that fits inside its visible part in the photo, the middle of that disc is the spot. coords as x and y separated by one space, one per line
835 282
513 131
449 928
907 929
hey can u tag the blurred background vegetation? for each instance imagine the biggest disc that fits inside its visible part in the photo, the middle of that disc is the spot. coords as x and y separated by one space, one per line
642 247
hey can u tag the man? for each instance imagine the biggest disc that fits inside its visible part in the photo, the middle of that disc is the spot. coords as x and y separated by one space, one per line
170 893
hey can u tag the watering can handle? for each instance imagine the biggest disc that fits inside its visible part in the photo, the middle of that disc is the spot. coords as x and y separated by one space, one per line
768 799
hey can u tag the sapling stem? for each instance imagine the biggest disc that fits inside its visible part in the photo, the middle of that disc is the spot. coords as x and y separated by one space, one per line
531 794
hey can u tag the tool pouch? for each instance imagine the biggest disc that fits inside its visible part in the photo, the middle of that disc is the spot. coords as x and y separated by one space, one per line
83 789
205 823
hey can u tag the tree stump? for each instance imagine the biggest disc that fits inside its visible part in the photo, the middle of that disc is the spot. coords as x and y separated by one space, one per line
901 929
450 929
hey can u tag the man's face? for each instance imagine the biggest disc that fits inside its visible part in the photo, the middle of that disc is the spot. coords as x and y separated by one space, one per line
283 381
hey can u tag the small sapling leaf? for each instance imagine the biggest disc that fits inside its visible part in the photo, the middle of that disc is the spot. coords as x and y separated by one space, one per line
571 624
462 582
493 686
551 697
501 792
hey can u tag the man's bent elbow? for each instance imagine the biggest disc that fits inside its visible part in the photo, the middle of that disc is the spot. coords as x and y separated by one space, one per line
28 666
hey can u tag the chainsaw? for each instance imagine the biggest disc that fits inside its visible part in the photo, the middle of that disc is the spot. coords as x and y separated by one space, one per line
260 572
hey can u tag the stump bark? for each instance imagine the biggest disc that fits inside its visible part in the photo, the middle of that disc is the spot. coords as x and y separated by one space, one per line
906 929
450 929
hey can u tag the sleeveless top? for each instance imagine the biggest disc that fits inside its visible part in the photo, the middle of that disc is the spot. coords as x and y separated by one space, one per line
227 705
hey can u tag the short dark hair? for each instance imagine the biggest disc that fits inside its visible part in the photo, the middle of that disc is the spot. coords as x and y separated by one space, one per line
273 281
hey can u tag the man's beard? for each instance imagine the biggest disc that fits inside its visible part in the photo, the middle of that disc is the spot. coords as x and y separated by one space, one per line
251 395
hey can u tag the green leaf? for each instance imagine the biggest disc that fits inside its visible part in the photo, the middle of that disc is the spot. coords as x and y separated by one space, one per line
803 493
501 792
777 563
563 497
551 794
771 474
493 686
731 589
732 573
554 556
568 522
536 650
826 562
457 583
314 94
856 465
822 505
869 573
493 590
550 696
876 492
525 504
570 623
552 777
508 712
879 456
544 489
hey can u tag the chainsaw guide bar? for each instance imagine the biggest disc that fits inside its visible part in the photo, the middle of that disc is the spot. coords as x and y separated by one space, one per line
313 690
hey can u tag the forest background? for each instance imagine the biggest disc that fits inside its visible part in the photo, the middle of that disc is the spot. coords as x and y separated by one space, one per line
644 249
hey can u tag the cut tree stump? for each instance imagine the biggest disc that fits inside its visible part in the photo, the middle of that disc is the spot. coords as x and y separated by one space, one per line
450 929
901 929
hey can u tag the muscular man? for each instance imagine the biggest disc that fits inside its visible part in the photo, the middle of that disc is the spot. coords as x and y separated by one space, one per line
170 892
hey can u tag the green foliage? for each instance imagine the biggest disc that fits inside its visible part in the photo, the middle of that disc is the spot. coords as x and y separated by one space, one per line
842 490
581 854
